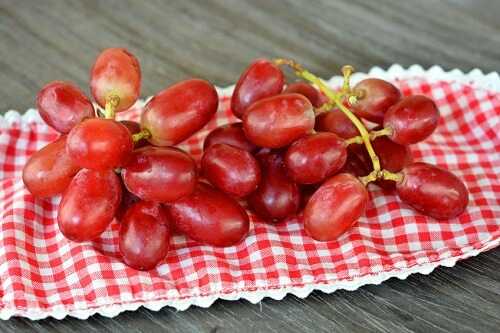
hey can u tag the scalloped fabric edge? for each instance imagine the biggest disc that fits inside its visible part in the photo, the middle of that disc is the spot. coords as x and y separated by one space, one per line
475 78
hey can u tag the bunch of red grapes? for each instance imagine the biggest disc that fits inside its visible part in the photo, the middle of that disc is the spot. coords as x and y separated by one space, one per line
299 151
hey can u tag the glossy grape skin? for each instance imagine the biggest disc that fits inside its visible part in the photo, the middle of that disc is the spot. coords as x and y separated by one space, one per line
116 72
315 157
89 204
179 111
62 105
277 121
134 127
99 144
377 96
49 171
335 207
433 191
230 169
160 174
260 80
393 157
336 122
210 216
144 235
307 90
231 134
412 119
277 196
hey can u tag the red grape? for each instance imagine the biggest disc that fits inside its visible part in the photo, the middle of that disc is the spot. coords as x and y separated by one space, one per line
128 199
134 128
160 174
230 169
89 204
307 90
354 165
336 122
393 157
62 105
433 191
277 121
210 216
335 207
231 134
177 112
99 144
412 119
277 196
376 96
144 235
315 157
116 72
49 171
260 80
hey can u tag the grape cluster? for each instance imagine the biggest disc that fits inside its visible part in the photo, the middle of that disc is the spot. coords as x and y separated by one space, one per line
300 150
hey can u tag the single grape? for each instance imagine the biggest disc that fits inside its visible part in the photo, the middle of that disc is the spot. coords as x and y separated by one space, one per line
49 171
134 128
210 216
277 196
62 105
116 72
375 98
393 157
99 144
307 90
231 134
144 235
277 121
433 191
354 165
179 111
336 122
335 207
89 204
260 80
412 119
315 157
230 169
160 174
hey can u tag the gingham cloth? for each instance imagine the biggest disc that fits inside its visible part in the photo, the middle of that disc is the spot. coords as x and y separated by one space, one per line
43 274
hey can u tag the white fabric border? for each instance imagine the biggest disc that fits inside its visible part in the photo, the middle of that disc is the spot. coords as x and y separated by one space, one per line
476 78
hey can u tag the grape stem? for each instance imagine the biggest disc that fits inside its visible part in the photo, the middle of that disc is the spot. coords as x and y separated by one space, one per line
337 99
112 102
372 134
143 134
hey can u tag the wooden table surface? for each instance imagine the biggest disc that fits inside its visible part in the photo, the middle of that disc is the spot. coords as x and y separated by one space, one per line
42 41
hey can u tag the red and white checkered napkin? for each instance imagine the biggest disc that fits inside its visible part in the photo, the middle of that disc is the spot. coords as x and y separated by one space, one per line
43 274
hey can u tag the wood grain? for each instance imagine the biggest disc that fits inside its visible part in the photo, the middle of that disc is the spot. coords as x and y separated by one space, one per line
42 41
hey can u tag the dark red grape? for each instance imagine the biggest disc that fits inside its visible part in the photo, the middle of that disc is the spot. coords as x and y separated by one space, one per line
230 169
335 207
336 122
89 204
277 196
210 216
49 171
315 157
375 98
144 235
62 105
277 121
354 165
179 111
433 191
230 134
116 72
260 80
307 90
99 144
393 157
134 128
160 174
412 119
128 199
